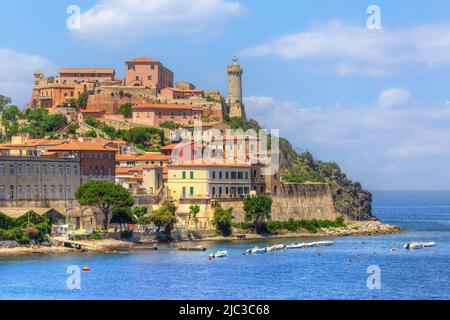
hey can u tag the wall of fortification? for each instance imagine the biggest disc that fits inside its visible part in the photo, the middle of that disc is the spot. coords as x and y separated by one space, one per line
296 201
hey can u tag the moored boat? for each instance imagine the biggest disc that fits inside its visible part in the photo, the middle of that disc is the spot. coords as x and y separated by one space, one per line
419 245
220 254
199 248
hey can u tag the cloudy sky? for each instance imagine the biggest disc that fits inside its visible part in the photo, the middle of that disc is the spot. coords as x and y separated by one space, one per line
375 101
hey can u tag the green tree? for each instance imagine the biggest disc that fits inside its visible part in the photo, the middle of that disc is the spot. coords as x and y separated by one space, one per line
194 210
72 128
164 218
91 121
4 101
105 196
123 216
12 114
139 212
91 134
82 100
258 209
126 110
223 220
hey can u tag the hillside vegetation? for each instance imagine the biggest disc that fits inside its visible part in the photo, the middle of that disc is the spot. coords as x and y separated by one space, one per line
350 199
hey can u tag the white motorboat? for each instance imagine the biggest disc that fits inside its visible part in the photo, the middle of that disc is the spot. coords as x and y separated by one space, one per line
296 246
419 245
257 250
220 254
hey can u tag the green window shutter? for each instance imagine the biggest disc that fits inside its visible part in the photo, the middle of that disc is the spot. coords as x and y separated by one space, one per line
192 174
184 174
191 190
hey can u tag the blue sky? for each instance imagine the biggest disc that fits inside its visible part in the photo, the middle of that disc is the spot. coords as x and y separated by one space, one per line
375 101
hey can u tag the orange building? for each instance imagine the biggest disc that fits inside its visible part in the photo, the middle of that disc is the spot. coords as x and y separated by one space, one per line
174 94
155 114
56 95
77 75
146 72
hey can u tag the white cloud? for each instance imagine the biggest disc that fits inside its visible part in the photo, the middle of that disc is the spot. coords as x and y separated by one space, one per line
16 73
347 50
394 97
394 144
119 21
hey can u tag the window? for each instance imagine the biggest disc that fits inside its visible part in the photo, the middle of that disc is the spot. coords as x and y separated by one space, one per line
2 189
68 170
131 67
53 189
192 174
60 170
137 78
152 67
227 175
19 169
149 78
11 169
36 170
61 189
20 189
183 192
28 170
28 189
220 191
184 175
36 189
2 170
246 175
191 191
52 170
214 175
213 191
68 190
44 169
220 175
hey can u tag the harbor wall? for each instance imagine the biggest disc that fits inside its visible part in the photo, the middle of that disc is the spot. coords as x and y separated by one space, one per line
296 201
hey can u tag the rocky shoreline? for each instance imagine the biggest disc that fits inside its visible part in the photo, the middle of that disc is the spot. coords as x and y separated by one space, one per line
367 228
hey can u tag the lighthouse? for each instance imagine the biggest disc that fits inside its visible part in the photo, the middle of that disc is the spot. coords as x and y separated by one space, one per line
234 100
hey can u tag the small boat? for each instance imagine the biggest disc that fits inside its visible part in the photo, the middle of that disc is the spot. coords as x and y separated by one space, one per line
257 250
280 247
220 254
198 249
86 269
419 245
296 246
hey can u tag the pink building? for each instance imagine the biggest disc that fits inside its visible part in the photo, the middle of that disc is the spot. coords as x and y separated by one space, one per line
155 114
175 94
146 72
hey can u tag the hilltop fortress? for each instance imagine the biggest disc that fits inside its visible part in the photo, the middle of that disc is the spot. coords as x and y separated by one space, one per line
148 85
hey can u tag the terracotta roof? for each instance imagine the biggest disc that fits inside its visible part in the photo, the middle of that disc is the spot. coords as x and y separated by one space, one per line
92 110
161 106
33 143
210 163
87 70
184 90
174 146
148 60
145 157
81 146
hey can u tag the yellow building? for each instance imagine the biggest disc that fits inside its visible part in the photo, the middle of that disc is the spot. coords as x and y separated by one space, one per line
205 184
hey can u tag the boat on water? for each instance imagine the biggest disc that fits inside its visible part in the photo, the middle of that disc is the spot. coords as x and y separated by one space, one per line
309 245
198 249
257 250
419 245
220 254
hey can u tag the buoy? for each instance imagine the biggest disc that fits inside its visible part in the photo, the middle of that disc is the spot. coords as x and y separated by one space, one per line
86 269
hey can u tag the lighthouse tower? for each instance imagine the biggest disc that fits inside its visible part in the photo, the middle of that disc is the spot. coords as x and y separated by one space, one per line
234 99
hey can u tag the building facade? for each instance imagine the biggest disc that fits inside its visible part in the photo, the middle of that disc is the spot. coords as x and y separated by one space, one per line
146 72
155 114
38 179
80 75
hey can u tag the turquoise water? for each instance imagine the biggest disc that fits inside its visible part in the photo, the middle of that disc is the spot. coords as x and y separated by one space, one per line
295 274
